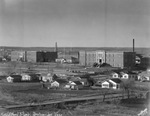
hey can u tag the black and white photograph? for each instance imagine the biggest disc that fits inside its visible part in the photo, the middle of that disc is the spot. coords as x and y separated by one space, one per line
74 57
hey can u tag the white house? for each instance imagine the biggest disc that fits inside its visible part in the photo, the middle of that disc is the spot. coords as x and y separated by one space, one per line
105 84
10 79
115 75
145 75
115 83
129 75
55 84
26 77
125 76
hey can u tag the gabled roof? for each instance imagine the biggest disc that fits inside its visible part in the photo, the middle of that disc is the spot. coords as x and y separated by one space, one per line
16 76
77 82
61 81
116 80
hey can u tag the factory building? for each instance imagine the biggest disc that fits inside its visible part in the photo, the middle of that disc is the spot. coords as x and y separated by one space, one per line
18 56
120 59
90 58
33 56
145 62
69 57
82 58
100 56
114 58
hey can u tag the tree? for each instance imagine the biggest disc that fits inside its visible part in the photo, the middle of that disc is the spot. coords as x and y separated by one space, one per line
127 85
95 64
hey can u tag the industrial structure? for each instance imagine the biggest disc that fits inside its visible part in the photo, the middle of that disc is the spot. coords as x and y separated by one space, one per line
120 59
114 58
33 56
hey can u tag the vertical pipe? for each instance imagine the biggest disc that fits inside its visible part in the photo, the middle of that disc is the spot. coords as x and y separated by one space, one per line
133 45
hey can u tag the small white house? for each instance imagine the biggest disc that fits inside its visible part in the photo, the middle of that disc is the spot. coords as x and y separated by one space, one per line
26 77
55 84
113 83
115 75
125 76
145 75
10 79
105 84
129 75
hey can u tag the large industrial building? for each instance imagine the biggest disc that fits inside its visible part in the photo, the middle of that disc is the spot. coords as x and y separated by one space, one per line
100 56
69 57
114 58
18 56
120 59
33 56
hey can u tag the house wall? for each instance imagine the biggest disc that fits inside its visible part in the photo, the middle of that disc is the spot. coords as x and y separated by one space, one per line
125 76
115 75
105 84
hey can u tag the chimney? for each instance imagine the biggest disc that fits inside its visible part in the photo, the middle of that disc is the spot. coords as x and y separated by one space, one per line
56 47
133 45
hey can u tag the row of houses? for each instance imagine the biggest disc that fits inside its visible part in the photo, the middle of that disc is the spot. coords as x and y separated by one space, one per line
114 58
52 81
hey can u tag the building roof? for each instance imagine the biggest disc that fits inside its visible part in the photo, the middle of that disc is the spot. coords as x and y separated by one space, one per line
16 76
77 82
116 80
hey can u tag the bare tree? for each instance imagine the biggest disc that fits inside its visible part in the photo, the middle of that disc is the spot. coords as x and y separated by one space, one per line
127 85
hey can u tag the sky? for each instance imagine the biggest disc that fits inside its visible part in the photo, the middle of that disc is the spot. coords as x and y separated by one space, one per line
75 23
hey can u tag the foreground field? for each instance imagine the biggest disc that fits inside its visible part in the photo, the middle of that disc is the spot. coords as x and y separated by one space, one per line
21 93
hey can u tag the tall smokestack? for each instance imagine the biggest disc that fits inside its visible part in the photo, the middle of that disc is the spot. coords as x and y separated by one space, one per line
56 47
133 45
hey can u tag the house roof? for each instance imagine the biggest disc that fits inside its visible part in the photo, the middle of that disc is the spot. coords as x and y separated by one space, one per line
16 76
116 80
77 82
61 81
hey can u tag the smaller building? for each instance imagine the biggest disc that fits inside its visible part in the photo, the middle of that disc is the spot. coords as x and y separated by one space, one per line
144 76
14 78
106 84
129 75
115 83
25 77
116 75
111 83
55 84
18 56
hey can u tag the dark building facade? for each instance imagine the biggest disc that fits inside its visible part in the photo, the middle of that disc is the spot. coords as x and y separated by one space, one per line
41 56
120 59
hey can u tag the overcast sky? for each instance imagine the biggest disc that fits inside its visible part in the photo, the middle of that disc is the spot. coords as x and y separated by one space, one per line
75 23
